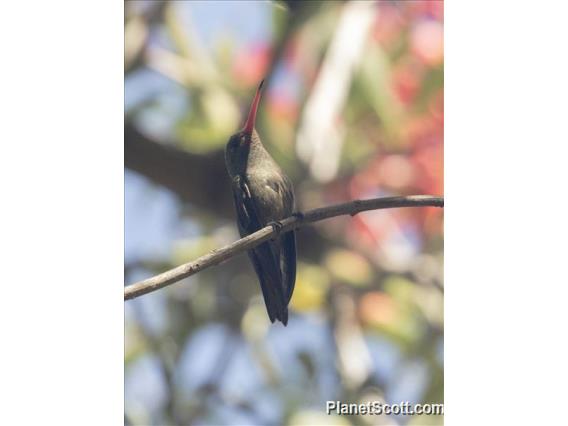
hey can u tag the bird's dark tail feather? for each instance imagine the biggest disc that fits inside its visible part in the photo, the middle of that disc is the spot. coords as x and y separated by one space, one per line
276 305
288 263
270 278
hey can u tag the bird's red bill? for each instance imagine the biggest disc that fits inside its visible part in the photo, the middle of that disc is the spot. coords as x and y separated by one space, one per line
249 124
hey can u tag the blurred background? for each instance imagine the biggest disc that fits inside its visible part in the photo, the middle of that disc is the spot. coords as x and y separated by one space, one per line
352 108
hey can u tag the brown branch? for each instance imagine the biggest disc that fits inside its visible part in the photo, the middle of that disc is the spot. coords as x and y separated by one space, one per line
187 175
219 255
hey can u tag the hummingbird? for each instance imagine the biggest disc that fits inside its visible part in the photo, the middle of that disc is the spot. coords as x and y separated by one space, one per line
263 195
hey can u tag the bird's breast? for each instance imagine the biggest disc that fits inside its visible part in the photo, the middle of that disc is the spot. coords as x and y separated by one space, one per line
268 198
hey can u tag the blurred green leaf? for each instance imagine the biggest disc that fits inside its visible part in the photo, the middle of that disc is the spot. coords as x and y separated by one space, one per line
350 267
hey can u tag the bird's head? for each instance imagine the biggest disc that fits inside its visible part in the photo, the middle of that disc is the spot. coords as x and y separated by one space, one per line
238 147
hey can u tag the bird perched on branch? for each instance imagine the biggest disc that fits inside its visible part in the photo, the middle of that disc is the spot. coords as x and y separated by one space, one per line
263 195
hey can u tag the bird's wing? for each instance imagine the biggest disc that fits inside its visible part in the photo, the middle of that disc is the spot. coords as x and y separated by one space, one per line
288 263
264 257
287 246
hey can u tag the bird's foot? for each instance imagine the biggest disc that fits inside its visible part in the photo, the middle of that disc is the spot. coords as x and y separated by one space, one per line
276 227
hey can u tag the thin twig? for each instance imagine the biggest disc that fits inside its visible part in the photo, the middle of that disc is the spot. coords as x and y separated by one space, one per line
219 255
